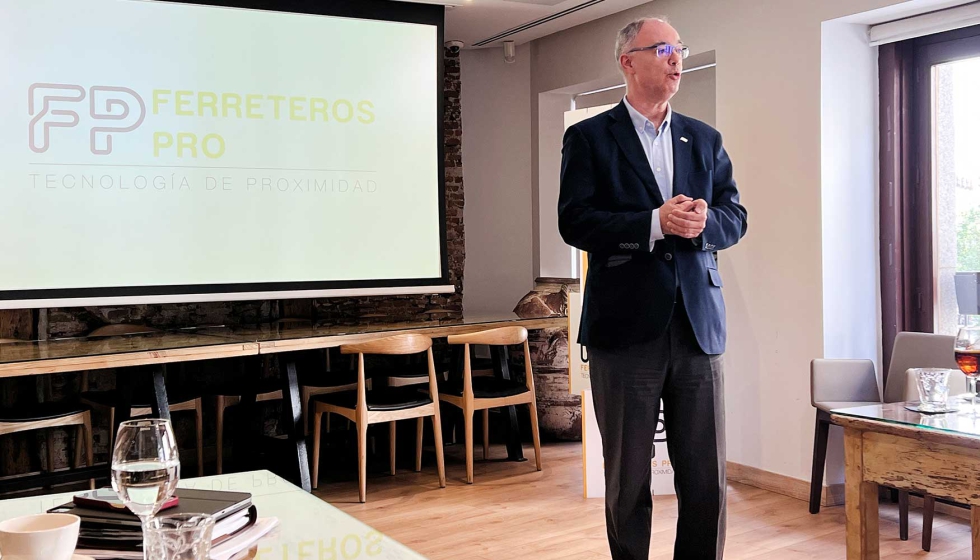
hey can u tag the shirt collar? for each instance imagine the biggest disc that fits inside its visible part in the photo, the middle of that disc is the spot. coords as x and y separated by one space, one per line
640 122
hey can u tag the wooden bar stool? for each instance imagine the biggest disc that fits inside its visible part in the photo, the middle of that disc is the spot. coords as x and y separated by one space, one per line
41 416
483 393
387 404
46 415
268 390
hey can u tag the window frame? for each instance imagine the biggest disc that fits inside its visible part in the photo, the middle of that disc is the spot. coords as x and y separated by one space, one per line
906 189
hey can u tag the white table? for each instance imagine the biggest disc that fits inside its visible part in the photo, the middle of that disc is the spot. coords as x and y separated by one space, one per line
309 528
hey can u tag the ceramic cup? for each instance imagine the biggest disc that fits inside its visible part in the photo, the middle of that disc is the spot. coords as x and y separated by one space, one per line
48 536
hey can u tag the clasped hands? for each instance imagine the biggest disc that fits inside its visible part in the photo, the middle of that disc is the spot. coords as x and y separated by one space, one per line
683 216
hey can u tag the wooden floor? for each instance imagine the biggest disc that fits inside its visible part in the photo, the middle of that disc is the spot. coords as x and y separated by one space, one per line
512 511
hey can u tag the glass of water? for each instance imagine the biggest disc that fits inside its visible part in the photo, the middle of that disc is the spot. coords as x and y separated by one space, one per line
933 386
180 536
145 467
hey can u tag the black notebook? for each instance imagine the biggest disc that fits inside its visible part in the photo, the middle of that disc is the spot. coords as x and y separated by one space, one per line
216 503
233 512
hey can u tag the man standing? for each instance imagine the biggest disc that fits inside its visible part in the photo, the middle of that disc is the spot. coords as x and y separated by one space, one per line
649 194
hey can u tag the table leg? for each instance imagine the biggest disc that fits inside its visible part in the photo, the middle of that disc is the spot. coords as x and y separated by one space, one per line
860 501
126 386
975 531
903 515
292 416
928 512
501 368
160 406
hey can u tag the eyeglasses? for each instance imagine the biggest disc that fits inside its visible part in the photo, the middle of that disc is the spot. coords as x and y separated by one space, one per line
664 50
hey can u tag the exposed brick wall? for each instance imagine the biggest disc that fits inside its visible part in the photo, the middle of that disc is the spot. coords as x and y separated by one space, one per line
77 321
453 131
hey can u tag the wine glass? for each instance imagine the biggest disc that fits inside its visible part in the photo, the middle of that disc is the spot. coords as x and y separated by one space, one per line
145 466
967 352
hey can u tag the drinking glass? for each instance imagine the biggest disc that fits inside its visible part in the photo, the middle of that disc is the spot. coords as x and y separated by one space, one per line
145 467
966 349
179 536
933 386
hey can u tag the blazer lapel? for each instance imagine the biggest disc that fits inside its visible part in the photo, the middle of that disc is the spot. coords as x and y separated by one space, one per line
682 142
625 135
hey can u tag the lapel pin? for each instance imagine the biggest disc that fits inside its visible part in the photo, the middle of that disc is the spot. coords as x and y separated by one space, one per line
683 139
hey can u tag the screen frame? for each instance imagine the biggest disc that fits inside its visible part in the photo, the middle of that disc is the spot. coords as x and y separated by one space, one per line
378 10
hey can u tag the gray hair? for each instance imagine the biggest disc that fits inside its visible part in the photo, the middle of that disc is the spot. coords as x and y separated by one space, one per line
626 35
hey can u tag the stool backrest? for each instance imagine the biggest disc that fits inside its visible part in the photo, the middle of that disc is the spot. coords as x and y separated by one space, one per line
390 345
398 345
504 336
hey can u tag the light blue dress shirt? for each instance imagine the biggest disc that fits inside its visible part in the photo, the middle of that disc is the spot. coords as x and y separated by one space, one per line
659 149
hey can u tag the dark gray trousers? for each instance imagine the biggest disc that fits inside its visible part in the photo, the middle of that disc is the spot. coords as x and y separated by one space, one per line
627 385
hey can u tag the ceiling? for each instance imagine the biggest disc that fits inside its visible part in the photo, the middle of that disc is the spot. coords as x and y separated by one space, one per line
472 21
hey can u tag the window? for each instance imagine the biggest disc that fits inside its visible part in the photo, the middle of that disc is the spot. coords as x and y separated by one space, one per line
956 184
929 181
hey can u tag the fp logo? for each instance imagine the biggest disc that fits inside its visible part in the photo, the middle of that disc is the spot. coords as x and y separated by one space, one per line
114 110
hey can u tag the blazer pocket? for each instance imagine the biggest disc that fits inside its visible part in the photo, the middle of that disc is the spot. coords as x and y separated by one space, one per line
714 277
617 260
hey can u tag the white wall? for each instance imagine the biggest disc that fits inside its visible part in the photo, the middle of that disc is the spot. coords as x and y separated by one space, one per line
769 112
496 111
849 201
698 99
552 257
849 204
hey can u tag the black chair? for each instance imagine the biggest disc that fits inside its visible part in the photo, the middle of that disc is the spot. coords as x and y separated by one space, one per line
46 416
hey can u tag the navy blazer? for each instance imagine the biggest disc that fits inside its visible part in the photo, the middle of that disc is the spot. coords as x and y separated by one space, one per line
608 192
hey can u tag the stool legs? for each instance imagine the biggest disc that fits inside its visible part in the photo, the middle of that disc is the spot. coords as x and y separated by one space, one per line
486 434
420 423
